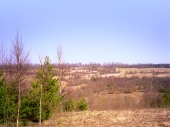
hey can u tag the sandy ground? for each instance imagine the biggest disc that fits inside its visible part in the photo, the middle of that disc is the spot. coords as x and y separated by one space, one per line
117 118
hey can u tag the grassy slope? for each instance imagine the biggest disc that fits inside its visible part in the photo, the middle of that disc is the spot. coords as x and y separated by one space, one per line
114 118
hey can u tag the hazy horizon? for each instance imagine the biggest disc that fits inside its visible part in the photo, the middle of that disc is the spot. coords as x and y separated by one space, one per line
90 31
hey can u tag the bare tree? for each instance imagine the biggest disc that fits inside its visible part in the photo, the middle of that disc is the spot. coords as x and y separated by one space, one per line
60 70
59 61
5 63
21 64
9 68
61 67
2 55
41 88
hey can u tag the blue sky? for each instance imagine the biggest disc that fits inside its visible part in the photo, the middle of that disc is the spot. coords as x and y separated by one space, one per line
126 31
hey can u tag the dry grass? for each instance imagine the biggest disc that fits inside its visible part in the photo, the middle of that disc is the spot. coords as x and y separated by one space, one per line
87 73
105 101
115 118
143 72
114 102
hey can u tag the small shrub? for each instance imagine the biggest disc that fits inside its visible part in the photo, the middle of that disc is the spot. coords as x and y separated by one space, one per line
165 100
109 86
69 105
24 123
82 104
152 99
60 123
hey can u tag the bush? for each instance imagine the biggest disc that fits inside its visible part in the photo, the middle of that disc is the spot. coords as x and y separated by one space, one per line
30 107
165 100
151 99
8 102
82 104
69 105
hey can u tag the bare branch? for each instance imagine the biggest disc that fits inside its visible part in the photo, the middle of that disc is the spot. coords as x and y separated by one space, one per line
21 66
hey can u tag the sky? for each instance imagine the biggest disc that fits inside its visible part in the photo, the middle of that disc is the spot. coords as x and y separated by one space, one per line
101 31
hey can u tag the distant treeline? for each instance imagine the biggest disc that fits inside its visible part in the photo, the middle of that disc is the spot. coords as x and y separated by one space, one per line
141 65
94 65
121 65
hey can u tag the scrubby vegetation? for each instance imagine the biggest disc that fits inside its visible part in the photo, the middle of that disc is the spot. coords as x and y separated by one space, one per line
69 105
79 105
105 93
8 101
82 104
49 95
30 101
31 93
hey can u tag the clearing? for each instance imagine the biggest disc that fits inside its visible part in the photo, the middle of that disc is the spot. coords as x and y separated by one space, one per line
111 118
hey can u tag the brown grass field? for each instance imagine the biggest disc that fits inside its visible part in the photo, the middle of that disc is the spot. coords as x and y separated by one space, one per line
115 98
111 118
113 107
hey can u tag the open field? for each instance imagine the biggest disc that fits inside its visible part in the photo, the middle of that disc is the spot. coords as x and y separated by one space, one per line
111 118
87 73
116 97
110 88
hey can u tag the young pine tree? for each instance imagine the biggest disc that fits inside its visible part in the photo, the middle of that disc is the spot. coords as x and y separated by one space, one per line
45 90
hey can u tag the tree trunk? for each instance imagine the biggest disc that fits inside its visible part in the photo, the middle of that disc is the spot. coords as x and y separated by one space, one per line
20 60
19 103
40 103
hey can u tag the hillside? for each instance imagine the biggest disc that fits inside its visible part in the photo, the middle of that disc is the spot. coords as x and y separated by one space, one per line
114 118
116 97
